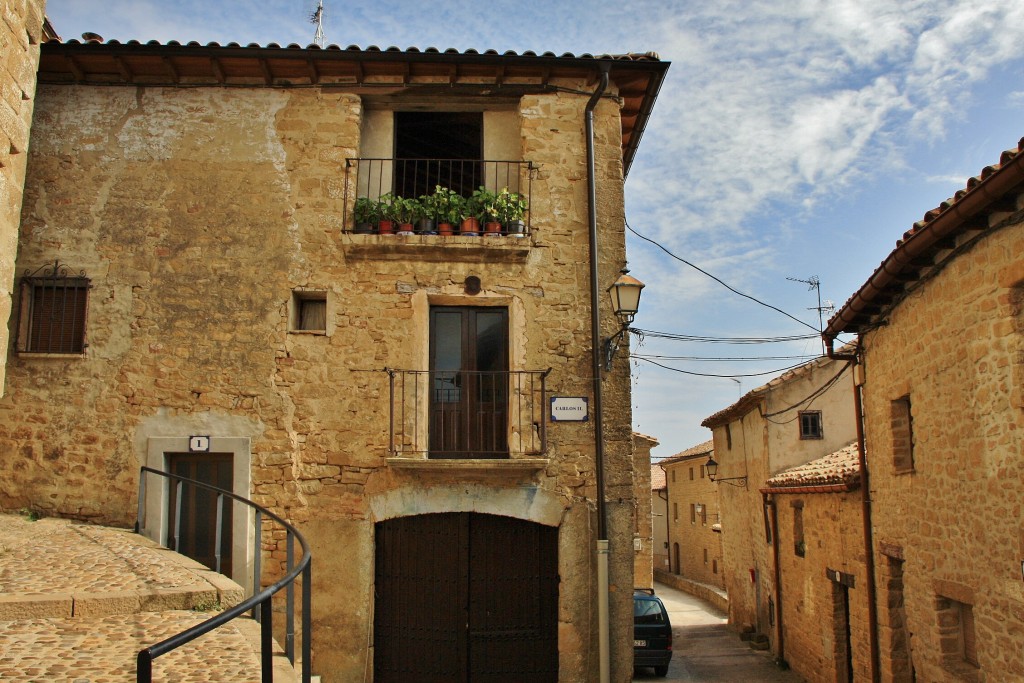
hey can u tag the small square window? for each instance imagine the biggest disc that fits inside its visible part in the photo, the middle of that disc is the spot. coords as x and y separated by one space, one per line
810 424
52 318
309 311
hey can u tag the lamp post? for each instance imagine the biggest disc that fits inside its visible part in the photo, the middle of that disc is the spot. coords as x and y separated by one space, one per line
625 293
711 467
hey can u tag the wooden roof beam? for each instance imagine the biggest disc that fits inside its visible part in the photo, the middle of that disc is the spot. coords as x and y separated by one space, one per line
126 73
171 70
218 70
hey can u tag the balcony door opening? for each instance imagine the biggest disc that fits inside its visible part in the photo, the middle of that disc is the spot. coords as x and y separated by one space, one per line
438 148
468 382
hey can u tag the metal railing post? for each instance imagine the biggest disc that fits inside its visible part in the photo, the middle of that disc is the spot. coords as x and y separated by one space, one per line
142 501
177 516
144 667
267 641
257 610
307 621
219 534
289 630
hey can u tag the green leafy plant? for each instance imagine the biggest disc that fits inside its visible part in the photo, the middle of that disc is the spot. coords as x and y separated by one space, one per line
444 205
29 514
366 211
407 210
509 206
483 205
389 206
207 605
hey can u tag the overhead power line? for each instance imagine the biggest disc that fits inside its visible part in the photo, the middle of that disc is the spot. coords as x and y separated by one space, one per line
722 340
719 280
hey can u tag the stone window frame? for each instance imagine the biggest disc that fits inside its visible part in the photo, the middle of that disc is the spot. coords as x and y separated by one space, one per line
298 320
957 637
901 423
156 522
811 424
799 540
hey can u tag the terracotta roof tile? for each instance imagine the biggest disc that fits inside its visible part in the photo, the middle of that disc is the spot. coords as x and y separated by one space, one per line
840 469
658 478
702 449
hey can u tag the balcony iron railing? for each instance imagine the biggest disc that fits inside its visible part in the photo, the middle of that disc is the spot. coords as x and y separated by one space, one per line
467 414
260 602
369 178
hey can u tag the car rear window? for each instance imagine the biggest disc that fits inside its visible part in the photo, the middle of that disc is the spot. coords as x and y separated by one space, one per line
647 612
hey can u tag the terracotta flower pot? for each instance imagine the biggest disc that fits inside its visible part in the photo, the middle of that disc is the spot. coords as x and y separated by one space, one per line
470 226
445 229
386 227
492 228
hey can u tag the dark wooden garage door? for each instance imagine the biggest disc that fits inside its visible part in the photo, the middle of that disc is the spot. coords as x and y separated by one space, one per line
466 597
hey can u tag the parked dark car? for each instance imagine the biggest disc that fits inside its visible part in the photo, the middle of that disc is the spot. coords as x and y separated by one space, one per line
652 632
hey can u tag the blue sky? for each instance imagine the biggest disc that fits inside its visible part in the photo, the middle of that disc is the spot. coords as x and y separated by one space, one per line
792 138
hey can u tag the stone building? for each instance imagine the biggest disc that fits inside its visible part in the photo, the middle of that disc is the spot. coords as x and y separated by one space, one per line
22 29
814 525
643 534
191 211
659 518
941 348
694 529
803 415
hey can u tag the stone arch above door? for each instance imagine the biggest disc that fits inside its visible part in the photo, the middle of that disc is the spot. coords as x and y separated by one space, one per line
528 503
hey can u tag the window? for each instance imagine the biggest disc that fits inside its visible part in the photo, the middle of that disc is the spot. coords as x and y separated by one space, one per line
438 148
957 636
902 425
691 474
704 515
728 437
53 311
702 471
468 382
810 424
309 311
693 513
673 476
675 512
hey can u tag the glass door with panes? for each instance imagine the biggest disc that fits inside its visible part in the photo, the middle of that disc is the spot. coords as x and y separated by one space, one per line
468 382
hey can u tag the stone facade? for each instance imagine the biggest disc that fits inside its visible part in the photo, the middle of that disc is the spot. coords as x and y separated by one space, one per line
946 493
815 516
659 518
643 536
21 32
202 216
694 529
758 437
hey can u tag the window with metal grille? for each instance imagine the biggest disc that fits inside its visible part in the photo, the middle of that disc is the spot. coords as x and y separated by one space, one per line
810 424
54 306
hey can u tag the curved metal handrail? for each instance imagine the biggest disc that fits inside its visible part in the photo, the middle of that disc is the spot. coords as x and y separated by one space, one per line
259 603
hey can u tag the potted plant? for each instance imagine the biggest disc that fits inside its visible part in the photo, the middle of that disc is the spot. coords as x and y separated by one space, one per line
388 208
434 207
511 207
366 214
407 212
478 208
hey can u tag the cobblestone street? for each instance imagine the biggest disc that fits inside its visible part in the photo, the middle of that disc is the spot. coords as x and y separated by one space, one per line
706 651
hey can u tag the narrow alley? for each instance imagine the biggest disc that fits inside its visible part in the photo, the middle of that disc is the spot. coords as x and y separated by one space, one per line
706 651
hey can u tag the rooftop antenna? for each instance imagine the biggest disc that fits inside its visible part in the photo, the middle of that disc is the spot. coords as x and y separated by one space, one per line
317 18
827 307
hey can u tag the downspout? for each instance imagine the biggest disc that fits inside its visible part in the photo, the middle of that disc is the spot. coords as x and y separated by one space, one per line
865 488
604 649
780 642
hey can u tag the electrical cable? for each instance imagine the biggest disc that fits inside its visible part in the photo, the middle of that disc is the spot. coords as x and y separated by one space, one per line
720 281
705 374
813 395
723 340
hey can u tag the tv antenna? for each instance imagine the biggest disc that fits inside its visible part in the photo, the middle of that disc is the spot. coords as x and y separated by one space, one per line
317 18
823 307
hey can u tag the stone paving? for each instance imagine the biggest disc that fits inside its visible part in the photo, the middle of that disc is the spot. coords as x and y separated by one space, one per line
77 603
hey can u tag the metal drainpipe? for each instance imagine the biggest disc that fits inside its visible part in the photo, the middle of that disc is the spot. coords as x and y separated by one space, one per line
604 649
780 641
865 488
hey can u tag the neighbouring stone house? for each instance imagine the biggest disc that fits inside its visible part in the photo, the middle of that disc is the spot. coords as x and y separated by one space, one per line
804 414
643 534
694 530
22 29
941 346
815 527
191 213
659 518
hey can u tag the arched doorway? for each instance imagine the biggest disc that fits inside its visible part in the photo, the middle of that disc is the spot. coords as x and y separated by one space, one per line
465 597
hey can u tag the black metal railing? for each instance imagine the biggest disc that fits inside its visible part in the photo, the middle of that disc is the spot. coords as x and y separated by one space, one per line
463 414
259 604
416 179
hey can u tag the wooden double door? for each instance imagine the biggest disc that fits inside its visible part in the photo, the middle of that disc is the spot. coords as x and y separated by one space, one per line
465 598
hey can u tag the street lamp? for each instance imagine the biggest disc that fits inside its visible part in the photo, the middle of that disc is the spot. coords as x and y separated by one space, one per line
625 293
711 467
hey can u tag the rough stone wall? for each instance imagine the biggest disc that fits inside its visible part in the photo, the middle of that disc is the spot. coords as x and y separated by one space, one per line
643 559
954 347
813 624
700 548
21 29
760 448
196 213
